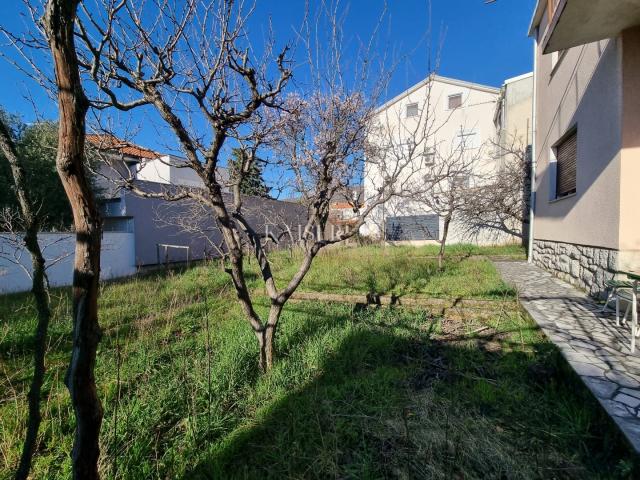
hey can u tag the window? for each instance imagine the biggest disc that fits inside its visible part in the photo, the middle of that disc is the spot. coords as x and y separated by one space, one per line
455 101
412 227
461 182
408 148
412 110
566 153
118 224
111 207
467 139
429 156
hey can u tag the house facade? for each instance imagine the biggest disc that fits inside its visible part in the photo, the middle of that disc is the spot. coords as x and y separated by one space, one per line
586 141
513 121
173 170
344 211
174 231
456 113
513 114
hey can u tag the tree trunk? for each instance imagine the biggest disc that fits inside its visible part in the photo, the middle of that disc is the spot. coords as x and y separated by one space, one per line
266 337
41 296
443 241
72 104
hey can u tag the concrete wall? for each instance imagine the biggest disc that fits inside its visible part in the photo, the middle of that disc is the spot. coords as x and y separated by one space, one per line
517 110
185 223
167 169
117 259
156 170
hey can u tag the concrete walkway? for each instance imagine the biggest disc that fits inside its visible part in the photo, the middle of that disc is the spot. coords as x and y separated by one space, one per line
590 341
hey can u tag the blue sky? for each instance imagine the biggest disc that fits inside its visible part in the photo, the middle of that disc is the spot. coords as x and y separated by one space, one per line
483 43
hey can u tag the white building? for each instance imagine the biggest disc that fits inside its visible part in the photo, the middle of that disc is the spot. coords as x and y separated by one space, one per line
169 170
513 115
438 114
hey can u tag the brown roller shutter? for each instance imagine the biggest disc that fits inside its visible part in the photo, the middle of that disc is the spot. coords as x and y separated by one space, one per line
566 155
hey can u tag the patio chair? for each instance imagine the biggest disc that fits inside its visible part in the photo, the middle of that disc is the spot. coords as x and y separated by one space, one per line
622 293
625 294
613 286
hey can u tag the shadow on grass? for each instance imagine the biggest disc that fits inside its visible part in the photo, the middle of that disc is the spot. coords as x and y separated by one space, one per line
394 402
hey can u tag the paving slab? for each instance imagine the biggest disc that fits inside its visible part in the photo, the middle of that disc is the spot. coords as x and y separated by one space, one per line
590 341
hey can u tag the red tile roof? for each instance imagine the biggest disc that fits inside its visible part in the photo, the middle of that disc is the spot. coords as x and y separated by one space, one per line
111 142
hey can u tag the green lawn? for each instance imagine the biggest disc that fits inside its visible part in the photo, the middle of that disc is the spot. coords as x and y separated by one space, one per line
405 270
373 393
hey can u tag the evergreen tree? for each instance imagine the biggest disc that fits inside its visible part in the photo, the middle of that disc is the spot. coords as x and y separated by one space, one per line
253 183
37 144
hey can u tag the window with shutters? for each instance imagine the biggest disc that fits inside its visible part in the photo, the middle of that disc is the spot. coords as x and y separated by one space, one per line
412 110
413 227
460 182
566 152
455 101
429 156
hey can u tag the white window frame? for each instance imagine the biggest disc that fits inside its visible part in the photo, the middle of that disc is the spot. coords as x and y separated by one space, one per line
429 152
464 134
412 106
459 94
462 182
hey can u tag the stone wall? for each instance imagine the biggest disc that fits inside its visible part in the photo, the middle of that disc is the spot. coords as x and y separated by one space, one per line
583 266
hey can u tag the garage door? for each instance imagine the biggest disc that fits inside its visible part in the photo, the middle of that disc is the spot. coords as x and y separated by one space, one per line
413 227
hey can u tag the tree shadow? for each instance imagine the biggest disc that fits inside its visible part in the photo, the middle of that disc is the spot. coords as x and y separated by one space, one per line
491 414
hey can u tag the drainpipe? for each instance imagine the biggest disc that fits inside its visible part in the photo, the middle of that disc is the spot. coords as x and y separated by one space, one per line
532 199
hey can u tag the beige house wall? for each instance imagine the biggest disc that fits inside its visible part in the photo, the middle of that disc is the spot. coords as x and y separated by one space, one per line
582 90
629 231
517 109
588 237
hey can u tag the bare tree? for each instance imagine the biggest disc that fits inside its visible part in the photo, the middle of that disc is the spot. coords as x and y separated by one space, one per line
196 66
501 203
446 185
195 57
58 25
53 32
29 221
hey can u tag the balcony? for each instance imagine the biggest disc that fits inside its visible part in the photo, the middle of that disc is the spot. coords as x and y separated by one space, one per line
577 22
112 207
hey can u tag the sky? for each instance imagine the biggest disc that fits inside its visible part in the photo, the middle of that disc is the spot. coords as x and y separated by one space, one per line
482 43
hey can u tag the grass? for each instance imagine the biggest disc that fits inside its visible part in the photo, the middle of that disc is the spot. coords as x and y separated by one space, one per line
406 270
373 393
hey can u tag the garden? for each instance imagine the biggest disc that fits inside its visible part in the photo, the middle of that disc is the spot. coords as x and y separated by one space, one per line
356 391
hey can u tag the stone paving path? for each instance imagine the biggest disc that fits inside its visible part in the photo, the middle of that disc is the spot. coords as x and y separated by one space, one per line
591 342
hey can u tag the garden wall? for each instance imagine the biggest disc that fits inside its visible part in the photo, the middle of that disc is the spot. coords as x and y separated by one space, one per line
117 259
